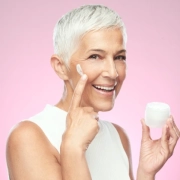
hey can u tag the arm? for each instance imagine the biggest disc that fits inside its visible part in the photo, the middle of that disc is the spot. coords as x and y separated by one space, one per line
81 128
73 163
31 156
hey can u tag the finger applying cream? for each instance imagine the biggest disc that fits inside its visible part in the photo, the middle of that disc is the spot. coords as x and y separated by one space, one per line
79 69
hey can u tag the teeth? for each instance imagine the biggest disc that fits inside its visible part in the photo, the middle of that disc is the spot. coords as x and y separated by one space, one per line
105 88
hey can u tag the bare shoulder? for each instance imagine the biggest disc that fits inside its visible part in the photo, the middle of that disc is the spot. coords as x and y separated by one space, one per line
27 133
29 149
24 128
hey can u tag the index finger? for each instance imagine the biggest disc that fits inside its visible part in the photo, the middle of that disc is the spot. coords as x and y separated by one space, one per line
78 91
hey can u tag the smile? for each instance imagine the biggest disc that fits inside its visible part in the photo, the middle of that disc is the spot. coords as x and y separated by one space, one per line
104 88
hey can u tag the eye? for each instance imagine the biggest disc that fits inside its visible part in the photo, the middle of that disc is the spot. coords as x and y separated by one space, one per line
122 58
94 56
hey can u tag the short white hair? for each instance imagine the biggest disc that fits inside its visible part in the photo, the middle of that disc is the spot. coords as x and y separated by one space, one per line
75 24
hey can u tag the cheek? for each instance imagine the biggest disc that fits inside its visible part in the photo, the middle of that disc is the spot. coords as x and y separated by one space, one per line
92 69
92 74
121 70
91 66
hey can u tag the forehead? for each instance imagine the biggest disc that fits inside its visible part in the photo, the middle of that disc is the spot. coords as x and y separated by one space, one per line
111 38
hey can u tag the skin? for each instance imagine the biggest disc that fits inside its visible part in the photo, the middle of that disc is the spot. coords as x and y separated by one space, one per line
31 156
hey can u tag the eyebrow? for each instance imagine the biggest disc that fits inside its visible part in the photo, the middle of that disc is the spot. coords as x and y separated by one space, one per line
100 50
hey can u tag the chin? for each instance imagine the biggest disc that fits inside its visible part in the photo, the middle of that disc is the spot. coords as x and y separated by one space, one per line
103 107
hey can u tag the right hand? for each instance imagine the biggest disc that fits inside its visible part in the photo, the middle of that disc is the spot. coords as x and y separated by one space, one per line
81 122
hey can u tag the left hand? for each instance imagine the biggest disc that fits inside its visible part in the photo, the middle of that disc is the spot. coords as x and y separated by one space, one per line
155 153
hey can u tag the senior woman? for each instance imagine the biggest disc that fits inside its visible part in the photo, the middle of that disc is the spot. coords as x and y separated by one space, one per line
68 141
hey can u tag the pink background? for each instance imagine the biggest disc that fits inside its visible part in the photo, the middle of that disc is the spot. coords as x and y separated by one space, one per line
27 81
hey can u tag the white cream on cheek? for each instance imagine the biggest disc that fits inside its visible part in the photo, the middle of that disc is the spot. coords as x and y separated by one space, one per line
79 69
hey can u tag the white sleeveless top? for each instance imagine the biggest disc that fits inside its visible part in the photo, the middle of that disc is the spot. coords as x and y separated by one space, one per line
105 155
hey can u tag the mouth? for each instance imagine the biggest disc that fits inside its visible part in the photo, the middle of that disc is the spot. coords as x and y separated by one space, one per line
105 88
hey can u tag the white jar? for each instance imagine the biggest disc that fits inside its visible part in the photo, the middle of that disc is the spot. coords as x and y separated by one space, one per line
156 114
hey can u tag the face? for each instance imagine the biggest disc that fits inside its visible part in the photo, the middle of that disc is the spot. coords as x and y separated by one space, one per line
102 57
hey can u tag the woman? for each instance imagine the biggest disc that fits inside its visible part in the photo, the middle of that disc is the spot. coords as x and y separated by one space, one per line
68 141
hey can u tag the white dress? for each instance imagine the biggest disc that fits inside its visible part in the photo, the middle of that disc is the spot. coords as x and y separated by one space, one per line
105 155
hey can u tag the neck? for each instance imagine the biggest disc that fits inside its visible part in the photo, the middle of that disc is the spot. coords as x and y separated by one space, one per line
66 98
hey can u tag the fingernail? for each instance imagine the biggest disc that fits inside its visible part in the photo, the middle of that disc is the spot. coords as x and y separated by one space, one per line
171 117
83 77
170 120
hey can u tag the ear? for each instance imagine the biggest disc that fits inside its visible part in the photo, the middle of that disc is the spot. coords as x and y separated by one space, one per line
59 67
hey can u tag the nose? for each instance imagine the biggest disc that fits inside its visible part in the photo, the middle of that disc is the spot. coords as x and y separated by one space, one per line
109 69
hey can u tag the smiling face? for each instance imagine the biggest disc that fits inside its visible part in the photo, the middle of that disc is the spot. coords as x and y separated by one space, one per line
101 55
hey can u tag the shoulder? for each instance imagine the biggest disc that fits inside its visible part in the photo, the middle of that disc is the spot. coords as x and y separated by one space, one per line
30 155
24 130
26 136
